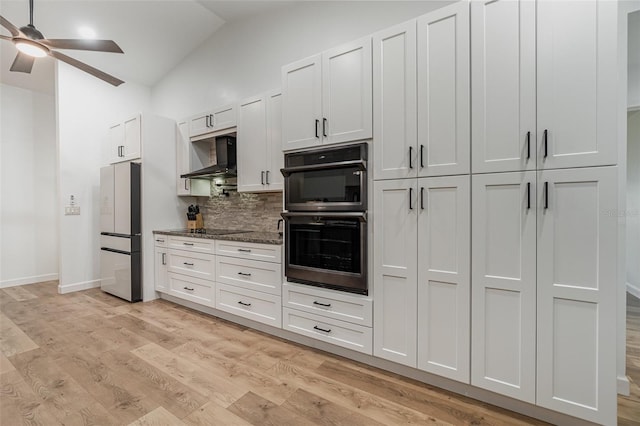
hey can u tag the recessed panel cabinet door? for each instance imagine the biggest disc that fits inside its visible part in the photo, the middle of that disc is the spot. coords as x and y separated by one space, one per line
503 342
503 84
395 270
577 261
132 138
161 272
577 83
252 144
444 242
346 92
443 91
275 160
395 115
302 103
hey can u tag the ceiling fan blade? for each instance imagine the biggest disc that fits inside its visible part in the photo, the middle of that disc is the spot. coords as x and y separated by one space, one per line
4 37
83 44
15 32
86 68
23 63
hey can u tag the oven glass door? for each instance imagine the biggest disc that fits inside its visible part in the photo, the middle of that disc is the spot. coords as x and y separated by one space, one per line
327 250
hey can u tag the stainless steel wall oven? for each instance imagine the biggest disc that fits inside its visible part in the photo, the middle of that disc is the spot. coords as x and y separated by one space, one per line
326 218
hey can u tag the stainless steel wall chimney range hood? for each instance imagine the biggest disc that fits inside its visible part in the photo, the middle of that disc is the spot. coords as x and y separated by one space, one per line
226 161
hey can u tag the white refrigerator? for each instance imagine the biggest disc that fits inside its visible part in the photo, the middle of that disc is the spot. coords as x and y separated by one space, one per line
120 230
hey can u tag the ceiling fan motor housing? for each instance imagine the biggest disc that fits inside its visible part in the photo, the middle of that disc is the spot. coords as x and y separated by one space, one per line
31 32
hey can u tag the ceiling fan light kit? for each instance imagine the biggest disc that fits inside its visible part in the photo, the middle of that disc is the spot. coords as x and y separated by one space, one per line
32 44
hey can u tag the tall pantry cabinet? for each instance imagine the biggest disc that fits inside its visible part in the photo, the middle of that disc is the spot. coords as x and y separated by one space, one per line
544 247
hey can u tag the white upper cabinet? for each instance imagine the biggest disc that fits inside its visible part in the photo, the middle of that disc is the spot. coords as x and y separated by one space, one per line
443 91
212 121
577 83
577 286
184 186
125 140
503 343
503 81
395 116
327 97
444 243
259 147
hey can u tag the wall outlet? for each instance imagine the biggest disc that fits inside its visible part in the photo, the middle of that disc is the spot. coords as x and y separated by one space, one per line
71 210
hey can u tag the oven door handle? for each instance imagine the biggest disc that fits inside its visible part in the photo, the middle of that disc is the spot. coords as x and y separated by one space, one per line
360 164
333 215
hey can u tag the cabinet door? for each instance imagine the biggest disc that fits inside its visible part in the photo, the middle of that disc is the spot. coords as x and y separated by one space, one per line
443 91
577 286
275 158
503 82
346 92
577 83
301 103
116 143
395 232
252 144
503 342
200 124
444 242
132 138
161 272
195 187
223 117
395 114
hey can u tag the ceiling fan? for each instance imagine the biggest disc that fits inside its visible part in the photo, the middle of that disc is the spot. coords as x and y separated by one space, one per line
31 44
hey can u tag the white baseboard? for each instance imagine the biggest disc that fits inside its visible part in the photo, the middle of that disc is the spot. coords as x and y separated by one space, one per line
623 386
633 290
84 285
28 280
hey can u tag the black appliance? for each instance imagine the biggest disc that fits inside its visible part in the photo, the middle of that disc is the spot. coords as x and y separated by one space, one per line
326 221
226 161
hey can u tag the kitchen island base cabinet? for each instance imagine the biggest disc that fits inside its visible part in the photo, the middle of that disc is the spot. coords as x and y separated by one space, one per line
161 265
254 305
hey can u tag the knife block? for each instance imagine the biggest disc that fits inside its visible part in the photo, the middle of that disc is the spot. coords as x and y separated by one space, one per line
194 225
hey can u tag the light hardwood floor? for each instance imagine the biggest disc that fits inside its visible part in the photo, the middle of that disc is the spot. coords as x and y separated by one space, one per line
88 358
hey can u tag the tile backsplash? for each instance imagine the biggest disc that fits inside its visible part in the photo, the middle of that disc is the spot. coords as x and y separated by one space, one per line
254 212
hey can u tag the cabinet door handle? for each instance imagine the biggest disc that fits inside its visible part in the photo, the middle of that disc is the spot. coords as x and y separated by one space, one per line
326 305
422 156
315 327
262 177
545 137
244 250
188 244
422 197
240 302
267 175
185 185
206 120
528 195
187 288
410 198
317 122
528 145
410 157
324 127
188 264
244 274
164 258
546 195
159 240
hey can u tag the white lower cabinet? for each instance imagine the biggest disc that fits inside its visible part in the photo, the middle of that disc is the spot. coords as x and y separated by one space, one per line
250 274
193 264
193 289
255 305
421 274
160 263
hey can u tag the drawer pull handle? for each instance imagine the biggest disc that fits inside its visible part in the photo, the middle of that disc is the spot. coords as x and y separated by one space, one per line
188 244
245 250
244 304
244 274
187 288
160 241
315 327
326 305
188 264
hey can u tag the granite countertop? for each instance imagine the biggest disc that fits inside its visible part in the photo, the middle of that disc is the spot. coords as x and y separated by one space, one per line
227 235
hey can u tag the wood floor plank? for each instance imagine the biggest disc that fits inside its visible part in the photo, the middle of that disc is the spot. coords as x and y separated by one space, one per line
20 405
158 417
260 411
12 339
149 331
212 412
92 415
5 364
20 293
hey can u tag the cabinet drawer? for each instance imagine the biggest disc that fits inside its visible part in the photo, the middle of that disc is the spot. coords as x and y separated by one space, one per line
200 245
160 240
249 274
193 264
189 288
261 307
341 306
345 334
264 252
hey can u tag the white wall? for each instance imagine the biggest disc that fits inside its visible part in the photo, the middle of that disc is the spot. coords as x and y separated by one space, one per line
633 96
28 232
86 108
633 200
244 58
